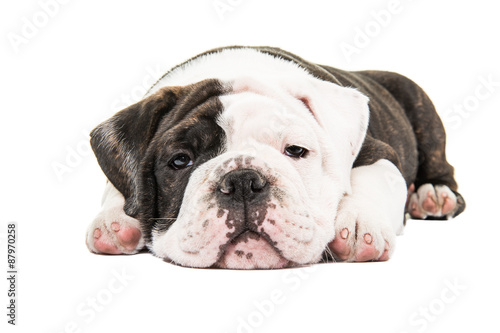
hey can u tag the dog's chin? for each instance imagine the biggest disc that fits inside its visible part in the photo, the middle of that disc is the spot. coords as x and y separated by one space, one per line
251 251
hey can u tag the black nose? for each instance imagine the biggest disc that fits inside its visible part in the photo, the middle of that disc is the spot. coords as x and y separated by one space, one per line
243 185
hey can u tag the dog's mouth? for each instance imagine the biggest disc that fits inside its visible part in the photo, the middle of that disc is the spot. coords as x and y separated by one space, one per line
251 250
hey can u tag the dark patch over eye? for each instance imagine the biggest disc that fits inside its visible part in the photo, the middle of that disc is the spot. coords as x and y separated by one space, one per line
180 161
296 151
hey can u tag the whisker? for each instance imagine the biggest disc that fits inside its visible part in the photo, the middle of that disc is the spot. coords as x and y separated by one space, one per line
330 255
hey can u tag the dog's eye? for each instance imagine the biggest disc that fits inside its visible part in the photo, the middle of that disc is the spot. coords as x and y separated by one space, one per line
180 161
295 151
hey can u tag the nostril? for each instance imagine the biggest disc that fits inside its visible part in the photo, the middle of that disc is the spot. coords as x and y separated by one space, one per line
258 185
227 186
225 190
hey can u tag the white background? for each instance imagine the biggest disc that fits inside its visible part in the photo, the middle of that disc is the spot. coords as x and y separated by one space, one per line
87 57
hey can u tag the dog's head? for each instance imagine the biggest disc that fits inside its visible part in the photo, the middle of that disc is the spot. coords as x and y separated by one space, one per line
240 174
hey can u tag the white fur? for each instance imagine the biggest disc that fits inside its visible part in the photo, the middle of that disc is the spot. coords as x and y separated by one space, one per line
230 64
375 206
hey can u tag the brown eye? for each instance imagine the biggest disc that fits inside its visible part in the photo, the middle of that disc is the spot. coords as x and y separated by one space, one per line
180 161
295 151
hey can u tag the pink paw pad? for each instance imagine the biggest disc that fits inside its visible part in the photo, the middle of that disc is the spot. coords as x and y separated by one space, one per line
339 245
103 244
128 237
429 203
385 254
367 251
413 209
448 203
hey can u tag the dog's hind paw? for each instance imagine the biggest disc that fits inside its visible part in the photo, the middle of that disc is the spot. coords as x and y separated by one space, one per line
435 201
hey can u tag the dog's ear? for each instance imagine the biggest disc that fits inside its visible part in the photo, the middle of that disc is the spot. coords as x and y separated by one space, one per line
120 143
343 113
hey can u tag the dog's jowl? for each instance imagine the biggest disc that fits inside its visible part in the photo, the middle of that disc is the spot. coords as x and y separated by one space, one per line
251 157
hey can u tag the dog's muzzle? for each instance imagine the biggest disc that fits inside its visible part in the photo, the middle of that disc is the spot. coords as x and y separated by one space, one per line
246 194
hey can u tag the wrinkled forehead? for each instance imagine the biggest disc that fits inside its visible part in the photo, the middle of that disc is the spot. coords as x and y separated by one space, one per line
249 115
192 125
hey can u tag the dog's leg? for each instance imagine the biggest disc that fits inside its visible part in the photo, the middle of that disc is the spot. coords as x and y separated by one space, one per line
113 231
369 219
436 195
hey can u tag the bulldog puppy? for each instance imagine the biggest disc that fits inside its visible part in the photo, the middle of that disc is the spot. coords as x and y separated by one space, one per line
251 157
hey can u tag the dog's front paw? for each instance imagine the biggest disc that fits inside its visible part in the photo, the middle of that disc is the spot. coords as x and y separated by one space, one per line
434 201
362 233
114 232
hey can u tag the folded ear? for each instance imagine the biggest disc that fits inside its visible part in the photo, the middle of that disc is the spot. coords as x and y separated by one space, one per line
343 113
120 143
